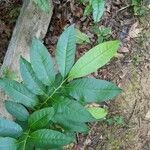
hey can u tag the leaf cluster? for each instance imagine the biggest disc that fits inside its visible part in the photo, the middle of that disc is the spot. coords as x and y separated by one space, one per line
49 105
138 7
103 33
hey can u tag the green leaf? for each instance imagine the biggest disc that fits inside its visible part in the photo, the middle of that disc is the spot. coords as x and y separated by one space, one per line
41 62
6 72
81 37
98 9
70 125
43 5
8 143
104 31
9 128
30 79
92 90
18 92
95 58
76 126
65 50
84 2
23 124
72 110
40 118
88 10
97 112
137 7
17 110
46 138
23 141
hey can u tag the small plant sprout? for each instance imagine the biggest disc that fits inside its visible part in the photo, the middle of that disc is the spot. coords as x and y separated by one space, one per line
96 7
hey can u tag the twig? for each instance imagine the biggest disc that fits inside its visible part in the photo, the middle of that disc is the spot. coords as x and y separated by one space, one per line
123 8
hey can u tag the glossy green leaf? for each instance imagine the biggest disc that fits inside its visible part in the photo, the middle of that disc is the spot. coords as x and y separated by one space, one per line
30 79
88 10
40 118
81 37
65 50
46 138
84 2
92 90
9 128
95 58
72 110
43 5
17 110
41 62
138 8
70 125
98 9
7 143
18 92
97 112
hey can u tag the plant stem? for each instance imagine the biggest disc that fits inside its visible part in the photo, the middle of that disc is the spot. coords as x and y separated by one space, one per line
25 140
54 92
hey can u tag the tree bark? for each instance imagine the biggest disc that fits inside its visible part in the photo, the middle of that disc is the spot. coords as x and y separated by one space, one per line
32 22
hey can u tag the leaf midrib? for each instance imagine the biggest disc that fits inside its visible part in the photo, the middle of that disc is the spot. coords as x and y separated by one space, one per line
32 76
46 115
65 61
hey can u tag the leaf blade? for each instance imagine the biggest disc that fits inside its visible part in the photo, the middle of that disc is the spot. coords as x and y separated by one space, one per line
65 50
17 110
98 9
81 37
87 10
9 128
18 92
41 62
43 5
8 143
30 79
70 125
46 138
40 118
97 112
72 110
92 90
94 59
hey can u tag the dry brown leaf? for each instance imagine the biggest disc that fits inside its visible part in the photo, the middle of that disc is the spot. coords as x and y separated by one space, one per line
147 115
134 30
123 49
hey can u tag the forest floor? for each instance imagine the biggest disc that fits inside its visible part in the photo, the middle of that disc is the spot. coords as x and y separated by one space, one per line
127 127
